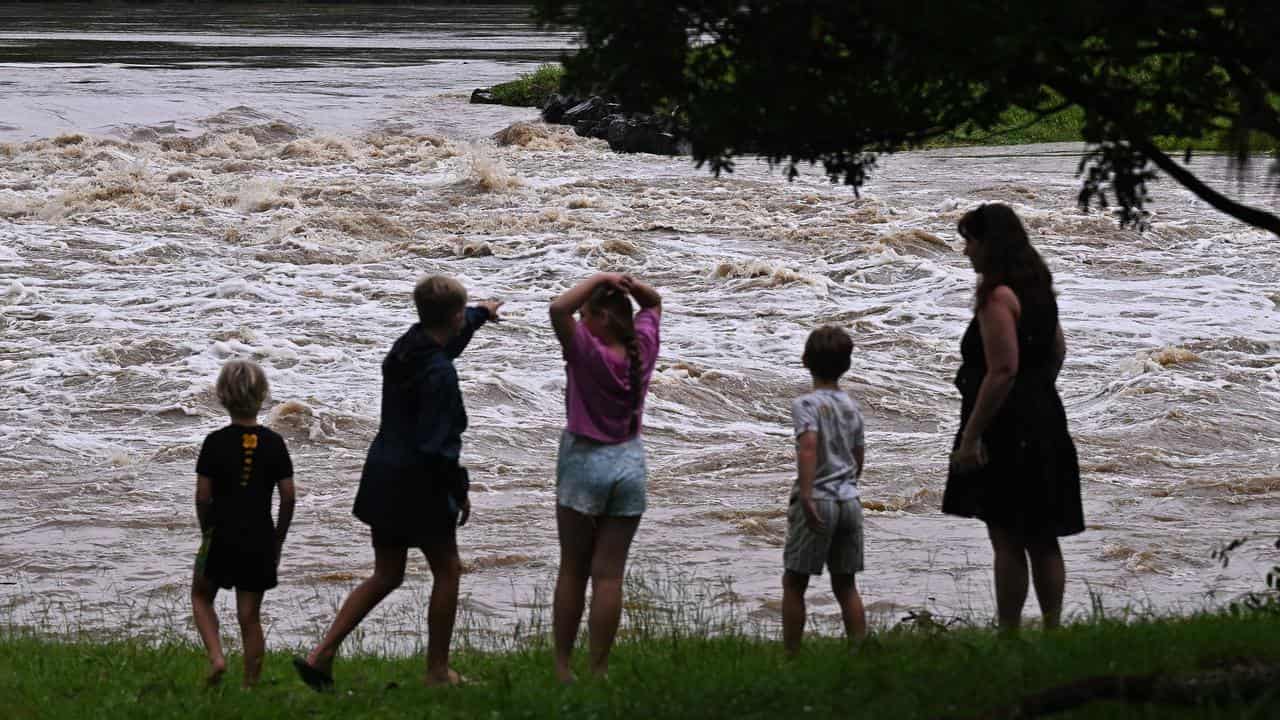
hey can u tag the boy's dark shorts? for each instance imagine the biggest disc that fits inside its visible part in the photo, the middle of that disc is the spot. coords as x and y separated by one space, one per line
245 569
439 534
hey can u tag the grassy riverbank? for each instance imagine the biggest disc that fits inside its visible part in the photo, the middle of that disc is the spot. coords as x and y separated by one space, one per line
915 673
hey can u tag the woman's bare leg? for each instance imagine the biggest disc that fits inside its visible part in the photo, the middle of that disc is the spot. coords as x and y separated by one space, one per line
1049 573
1011 576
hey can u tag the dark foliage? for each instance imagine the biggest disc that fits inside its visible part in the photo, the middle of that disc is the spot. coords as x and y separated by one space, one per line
837 82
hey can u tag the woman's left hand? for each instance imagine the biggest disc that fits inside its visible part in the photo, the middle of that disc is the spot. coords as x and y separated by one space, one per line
969 456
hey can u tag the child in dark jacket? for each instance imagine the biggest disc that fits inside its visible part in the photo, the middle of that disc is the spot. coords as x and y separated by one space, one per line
413 492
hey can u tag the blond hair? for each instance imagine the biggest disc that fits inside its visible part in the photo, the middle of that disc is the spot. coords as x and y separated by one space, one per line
242 388
438 298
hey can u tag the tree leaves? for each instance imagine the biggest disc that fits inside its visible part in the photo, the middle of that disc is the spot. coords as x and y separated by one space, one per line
838 82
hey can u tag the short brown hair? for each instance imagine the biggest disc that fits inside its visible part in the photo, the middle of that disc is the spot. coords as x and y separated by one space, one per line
438 297
828 352
242 388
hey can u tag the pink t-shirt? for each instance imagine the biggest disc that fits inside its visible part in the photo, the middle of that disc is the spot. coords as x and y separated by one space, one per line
598 395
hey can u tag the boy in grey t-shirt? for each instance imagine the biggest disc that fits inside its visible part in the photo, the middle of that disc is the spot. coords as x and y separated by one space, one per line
824 520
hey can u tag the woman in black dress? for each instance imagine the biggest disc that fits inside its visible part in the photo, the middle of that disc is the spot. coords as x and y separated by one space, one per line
1014 465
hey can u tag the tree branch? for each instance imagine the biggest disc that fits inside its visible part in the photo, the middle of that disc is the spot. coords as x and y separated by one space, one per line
1074 91
1251 215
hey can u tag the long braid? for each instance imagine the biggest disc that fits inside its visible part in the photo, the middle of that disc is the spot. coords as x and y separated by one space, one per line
635 372
621 321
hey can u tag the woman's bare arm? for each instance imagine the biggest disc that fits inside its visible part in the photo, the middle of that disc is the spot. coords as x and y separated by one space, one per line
998 321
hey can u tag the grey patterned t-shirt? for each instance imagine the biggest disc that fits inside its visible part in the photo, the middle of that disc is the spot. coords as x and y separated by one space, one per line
836 418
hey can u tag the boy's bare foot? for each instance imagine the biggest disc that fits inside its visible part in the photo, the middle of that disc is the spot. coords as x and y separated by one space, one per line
450 678
217 668
566 676
321 662
315 678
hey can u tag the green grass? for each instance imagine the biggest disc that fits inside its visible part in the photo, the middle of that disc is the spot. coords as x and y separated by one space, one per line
905 673
531 89
1020 127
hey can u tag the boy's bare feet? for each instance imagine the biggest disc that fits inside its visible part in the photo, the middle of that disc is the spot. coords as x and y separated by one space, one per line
320 661
217 668
451 678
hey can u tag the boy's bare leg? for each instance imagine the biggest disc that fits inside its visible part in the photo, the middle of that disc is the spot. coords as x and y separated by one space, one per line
1049 573
793 612
608 568
1011 576
446 576
249 613
388 573
845 588
577 543
203 594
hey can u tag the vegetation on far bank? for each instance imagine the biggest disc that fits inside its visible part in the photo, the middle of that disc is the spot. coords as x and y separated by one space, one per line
1017 126
530 89
920 671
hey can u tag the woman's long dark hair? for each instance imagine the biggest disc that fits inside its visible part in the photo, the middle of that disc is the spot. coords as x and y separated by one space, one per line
1004 254
615 306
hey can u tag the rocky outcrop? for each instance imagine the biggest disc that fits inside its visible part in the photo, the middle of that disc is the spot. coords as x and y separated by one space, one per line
625 132
483 96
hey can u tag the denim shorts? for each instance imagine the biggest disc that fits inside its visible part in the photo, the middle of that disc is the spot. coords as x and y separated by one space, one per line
597 479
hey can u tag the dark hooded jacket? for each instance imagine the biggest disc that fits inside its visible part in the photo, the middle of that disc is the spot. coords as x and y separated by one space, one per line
411 480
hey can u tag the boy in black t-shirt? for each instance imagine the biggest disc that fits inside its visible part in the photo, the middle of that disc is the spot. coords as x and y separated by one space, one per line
238 469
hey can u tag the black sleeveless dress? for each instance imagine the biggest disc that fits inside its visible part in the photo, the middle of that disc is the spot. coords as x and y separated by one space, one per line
1031 482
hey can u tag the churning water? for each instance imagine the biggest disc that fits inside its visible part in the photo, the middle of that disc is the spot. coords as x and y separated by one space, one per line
176 191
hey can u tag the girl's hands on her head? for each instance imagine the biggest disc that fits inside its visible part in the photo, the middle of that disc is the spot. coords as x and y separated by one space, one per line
492 307
617 280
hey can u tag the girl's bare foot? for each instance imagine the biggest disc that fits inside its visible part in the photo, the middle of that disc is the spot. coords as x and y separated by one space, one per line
450 678
217 668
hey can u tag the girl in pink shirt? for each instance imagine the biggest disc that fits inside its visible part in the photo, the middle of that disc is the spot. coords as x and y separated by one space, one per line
600 473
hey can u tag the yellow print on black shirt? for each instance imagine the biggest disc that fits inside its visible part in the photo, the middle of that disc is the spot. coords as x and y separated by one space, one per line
249 442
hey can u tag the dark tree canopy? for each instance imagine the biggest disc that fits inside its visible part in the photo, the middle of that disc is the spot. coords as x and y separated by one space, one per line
839 81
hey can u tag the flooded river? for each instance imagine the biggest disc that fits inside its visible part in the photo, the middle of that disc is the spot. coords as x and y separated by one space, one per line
176 191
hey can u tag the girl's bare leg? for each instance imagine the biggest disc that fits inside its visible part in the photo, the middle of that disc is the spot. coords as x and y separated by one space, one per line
608 568
577 541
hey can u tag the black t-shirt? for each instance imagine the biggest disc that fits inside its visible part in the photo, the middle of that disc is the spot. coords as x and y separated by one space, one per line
244 463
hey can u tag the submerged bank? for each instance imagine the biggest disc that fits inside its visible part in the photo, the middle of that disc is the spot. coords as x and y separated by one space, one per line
915 671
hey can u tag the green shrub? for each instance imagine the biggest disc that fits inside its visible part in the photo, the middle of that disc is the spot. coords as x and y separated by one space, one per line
530 90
